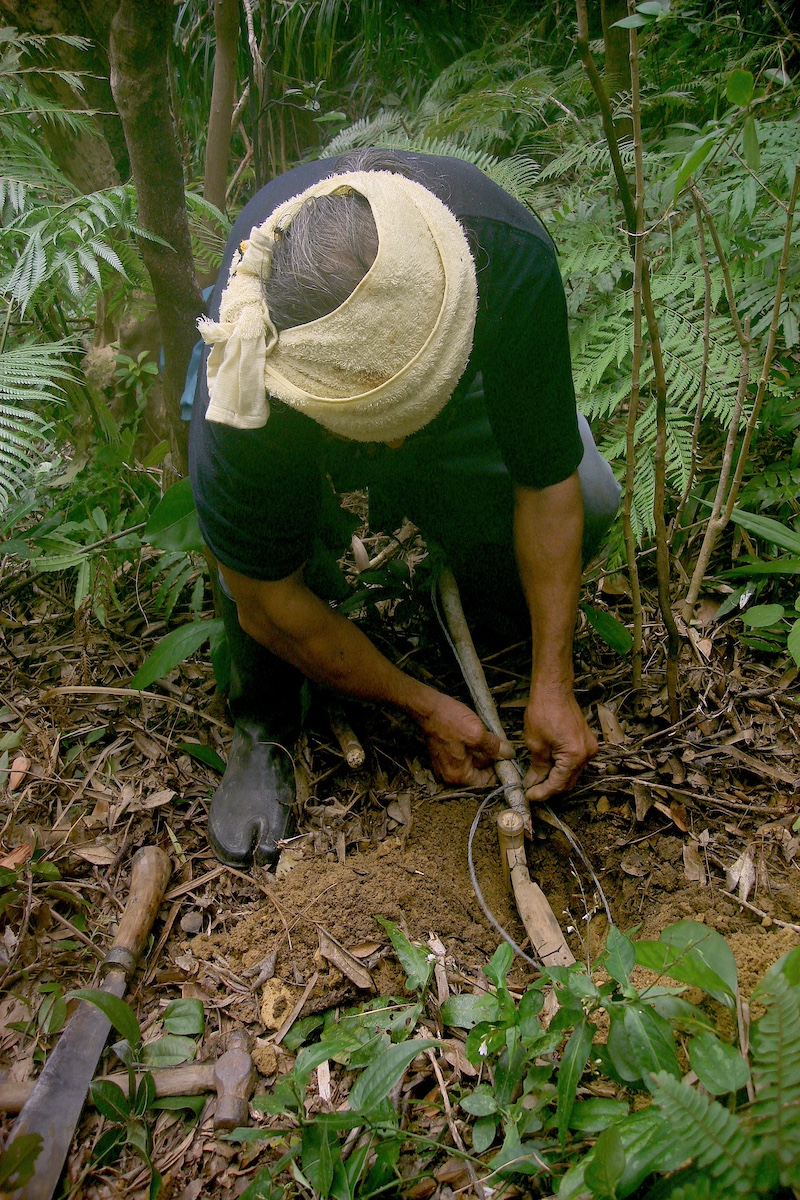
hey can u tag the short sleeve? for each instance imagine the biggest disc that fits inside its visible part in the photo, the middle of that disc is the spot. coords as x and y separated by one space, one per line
258 492
525 360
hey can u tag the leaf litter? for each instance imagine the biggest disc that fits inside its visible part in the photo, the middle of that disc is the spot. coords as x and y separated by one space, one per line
671 820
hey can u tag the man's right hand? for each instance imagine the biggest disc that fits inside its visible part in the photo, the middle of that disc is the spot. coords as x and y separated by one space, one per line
462 749
296 625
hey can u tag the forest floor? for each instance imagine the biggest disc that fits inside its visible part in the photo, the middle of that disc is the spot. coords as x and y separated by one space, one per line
671 818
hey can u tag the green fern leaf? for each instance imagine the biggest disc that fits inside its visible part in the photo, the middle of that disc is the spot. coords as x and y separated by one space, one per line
775 1052
712 1136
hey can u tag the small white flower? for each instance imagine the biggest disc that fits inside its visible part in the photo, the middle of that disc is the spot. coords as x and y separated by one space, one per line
483 1050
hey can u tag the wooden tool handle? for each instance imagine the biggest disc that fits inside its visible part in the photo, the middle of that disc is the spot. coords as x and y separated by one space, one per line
149 878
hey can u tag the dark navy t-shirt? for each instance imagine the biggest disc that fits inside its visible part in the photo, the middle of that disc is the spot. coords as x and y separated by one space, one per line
259 491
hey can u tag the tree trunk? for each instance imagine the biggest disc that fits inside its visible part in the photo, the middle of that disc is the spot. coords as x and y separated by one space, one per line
140 32
617 65
218 144
90 161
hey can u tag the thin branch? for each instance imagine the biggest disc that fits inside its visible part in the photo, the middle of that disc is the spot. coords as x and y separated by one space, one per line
725 499
698 416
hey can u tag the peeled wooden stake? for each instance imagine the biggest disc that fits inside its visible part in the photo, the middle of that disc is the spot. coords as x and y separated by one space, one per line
342 730
541 925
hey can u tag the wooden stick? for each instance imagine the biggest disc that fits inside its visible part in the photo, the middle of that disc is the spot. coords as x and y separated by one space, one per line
539 920
464 648
342 730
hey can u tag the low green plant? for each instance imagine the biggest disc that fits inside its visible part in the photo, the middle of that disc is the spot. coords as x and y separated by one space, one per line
693 1116
127 1114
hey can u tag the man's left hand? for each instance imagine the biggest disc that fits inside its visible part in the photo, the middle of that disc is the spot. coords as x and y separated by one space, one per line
559 740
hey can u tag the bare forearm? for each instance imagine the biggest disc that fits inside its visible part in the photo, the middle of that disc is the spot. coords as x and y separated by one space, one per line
330 650
296 625
548 530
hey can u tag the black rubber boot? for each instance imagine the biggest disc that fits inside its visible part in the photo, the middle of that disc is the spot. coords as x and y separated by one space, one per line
251 809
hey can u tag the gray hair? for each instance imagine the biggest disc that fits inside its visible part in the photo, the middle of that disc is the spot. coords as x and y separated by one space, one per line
331 243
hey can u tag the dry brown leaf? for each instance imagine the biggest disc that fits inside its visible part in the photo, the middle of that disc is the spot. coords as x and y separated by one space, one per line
633 863
742 875
454 1171
400 809
19 769
454 1053
679 815
643 799
615 585
705 610
612 730
145 745
364 949
98 855
17 857
335 953
693 866
324 1082
155 799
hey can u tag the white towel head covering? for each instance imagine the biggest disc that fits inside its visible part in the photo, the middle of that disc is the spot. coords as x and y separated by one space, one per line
386 361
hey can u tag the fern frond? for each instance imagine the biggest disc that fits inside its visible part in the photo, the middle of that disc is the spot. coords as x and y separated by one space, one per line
711 1136
775 1053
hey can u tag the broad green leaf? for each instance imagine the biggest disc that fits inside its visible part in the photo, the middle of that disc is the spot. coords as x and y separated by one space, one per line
763 615
310 1057
649 1146
619 1052
620 957
120 1014
173 524
384 1072
776 566
768 529
109 1145
694 159
633 22
318 1156
718 1066
145 1094
185 1016
483 1134
651 1042
573 1061
596 1114
695 954
520 1157
18 1161
173 649
203 754
793 642
499 964
109 1099
654 8
169 1051
175 1103
612 631
750 144
52 1013
415 960
740 87
480 1103
466 1011
604 1172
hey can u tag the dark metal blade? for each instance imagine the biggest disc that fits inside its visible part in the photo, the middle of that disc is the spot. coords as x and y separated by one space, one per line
54 1106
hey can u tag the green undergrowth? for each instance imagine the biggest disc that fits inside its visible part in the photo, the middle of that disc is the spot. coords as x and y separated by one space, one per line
622 1088
605 1082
